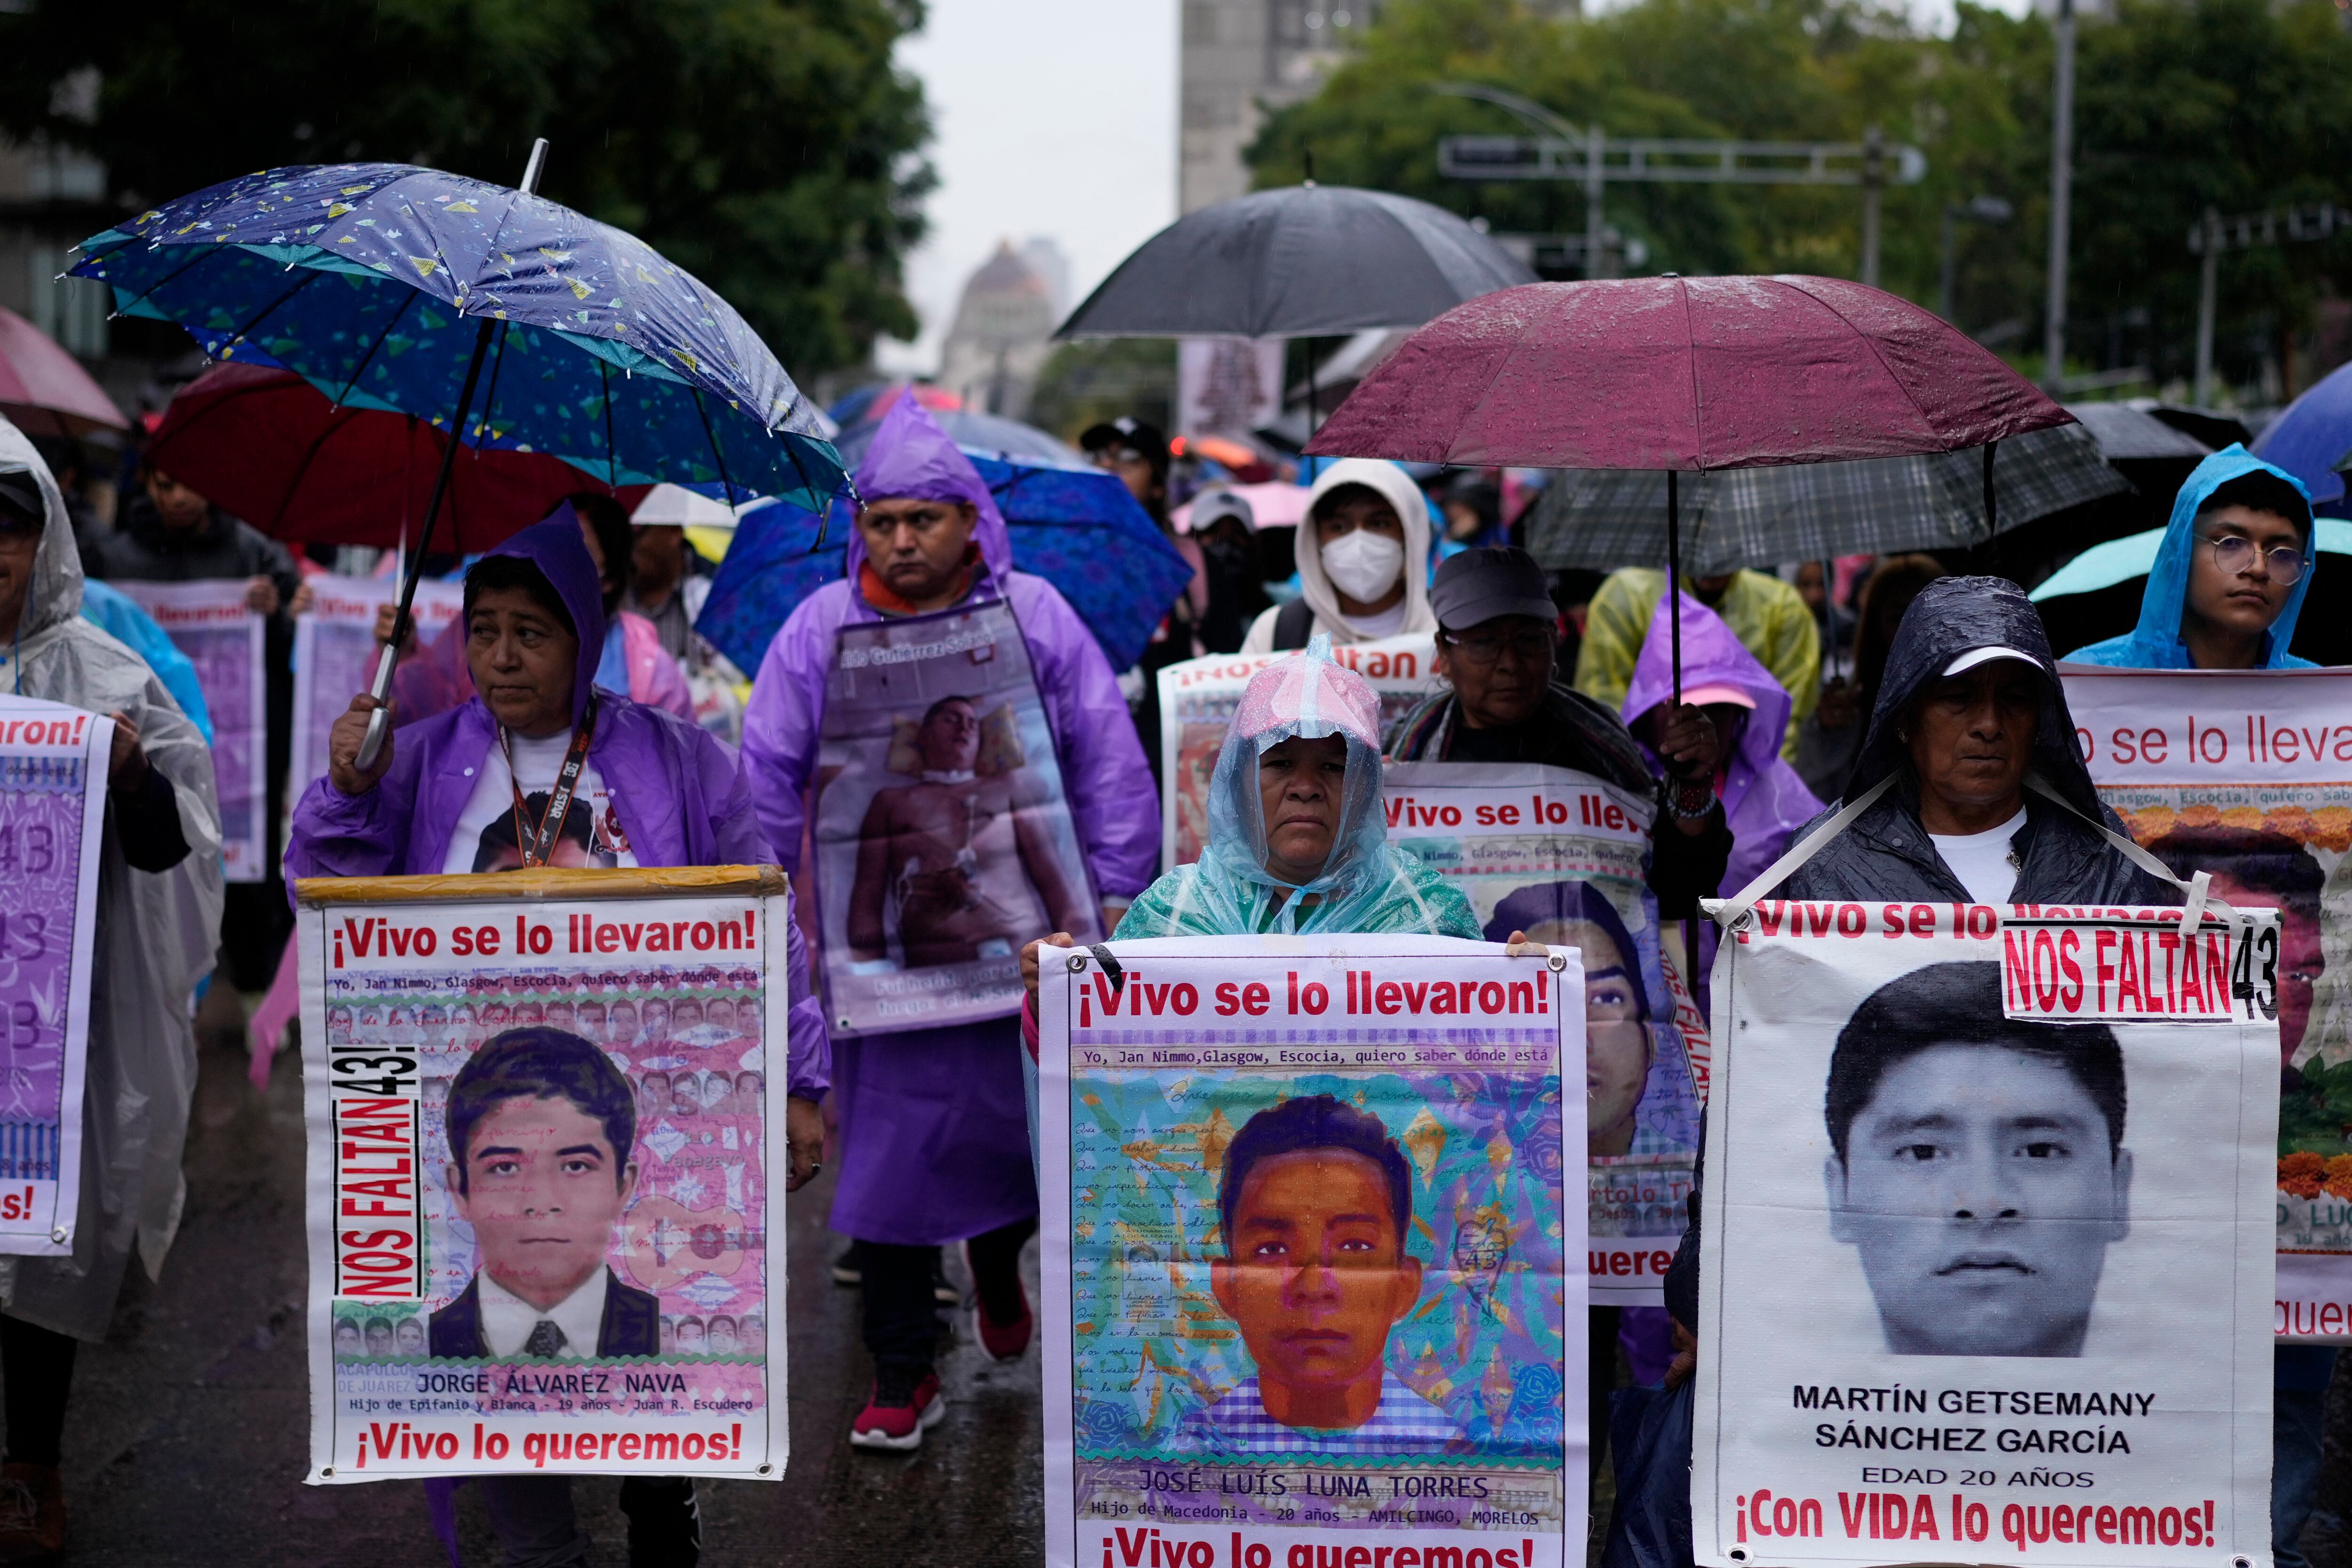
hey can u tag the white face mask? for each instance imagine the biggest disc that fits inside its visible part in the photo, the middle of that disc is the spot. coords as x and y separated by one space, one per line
1363 565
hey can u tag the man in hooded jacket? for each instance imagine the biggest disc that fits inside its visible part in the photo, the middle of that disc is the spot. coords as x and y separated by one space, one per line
1970 727
159 905
1969 715
1363 561
933 1121
2226 588
445 796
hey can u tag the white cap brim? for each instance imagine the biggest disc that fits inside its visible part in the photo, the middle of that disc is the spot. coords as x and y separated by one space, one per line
1976 655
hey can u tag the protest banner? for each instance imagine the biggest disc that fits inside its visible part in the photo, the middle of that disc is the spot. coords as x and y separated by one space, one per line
2010 1172
1307 1268
2249 776
1559 854
479 1052
1197 699
335 658
943 838
209 622
53 773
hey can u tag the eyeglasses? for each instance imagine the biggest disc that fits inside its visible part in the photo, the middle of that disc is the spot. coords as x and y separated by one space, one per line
1532 644
2234 553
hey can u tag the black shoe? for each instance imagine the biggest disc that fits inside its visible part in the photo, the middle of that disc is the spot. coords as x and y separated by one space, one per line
849 1268
941 1292
665 1521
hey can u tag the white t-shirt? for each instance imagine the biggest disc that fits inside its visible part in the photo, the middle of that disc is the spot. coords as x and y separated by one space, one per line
1980 860
490 809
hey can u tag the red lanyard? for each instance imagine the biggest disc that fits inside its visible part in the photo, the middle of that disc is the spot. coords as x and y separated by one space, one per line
537 846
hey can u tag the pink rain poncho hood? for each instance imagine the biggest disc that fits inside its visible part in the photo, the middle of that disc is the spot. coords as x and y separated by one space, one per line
910 456
1365 884
1764 801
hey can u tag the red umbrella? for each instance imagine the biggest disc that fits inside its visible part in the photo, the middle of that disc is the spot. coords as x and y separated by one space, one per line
44 391
1686 375
269 447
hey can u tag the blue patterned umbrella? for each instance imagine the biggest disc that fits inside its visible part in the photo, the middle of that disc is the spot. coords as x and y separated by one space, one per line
1077 528
370 281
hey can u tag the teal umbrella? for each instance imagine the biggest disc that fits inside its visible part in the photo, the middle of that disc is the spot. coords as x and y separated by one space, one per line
2134 555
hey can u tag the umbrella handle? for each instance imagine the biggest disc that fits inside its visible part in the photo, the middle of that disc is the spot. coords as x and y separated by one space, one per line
379 727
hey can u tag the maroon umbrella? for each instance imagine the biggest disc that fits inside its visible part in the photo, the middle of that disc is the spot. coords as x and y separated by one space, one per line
1686 375
269 447
44 391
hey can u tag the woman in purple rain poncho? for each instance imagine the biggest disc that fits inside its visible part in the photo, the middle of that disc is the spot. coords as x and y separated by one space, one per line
1764 801
452 793
933 1120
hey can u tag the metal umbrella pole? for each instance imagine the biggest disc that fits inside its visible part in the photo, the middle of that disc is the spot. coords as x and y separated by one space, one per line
379 727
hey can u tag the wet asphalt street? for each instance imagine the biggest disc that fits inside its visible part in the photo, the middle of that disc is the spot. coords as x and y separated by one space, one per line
187 1433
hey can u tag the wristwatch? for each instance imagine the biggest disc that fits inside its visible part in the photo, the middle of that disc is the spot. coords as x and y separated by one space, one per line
1689 799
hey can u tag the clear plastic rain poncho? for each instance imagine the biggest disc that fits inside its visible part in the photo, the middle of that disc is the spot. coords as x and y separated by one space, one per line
1366 886
156 936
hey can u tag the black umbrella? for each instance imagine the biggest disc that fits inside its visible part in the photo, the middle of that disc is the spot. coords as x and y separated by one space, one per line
1305 261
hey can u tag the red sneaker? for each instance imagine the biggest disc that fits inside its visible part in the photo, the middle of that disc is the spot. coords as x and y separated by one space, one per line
1003 1342
898 1410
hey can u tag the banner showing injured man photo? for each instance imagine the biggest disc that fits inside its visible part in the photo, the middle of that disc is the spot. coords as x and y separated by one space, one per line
1985 1266
542 1175
2249 778
1307 1258
943 838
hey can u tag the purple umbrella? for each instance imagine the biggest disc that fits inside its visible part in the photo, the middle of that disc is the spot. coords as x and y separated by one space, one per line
1685 376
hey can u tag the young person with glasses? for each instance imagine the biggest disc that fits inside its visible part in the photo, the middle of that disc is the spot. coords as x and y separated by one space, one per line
2227 584
2229 578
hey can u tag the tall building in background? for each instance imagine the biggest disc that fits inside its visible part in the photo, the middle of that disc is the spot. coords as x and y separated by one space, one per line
1239 58
1003 327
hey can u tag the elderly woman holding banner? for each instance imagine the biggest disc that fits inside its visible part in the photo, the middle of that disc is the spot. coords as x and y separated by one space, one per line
158 919
481 786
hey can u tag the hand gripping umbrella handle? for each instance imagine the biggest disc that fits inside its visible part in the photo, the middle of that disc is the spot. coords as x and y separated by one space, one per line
379 727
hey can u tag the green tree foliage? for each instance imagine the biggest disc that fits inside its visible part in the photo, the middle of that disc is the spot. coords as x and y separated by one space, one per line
766 145
2242 103
1094 379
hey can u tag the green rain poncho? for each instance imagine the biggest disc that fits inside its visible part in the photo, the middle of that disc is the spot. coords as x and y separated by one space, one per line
1366 886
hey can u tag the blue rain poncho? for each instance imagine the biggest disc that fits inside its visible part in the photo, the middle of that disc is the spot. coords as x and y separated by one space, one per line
1366 885
2155 643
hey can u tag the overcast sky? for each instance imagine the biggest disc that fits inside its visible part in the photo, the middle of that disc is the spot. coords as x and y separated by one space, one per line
1057 117
1050 117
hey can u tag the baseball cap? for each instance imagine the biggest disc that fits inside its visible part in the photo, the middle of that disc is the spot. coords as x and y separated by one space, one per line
1213 506
21 507
1701 696
1145 440
1477 586
1976 655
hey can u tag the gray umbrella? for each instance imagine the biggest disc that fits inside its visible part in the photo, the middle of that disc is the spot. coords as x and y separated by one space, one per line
1304 261
1603 519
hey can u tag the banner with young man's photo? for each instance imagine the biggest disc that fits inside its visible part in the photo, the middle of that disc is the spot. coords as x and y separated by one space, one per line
53 777
1197 699
210 622
544 1169
2010 1172
2249 776
1559 856
335 654
1308 1262
943 838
